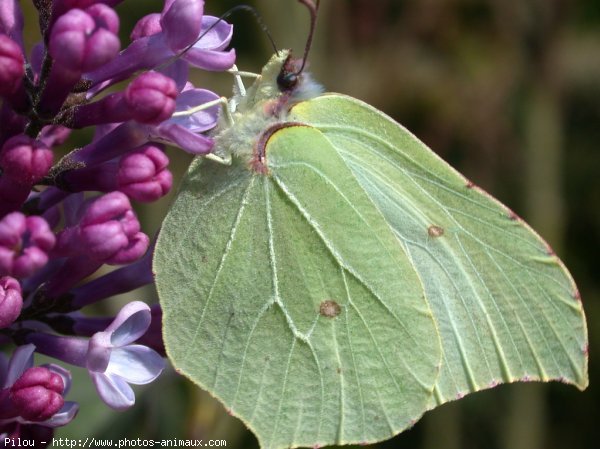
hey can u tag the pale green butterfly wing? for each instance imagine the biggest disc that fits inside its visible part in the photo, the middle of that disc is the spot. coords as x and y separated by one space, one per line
302 297
289 298
506 307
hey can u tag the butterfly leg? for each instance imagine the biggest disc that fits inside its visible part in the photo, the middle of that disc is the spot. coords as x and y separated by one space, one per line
226 113
239 83
222 102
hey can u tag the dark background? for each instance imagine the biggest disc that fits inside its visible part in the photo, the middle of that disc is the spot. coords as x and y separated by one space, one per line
507 91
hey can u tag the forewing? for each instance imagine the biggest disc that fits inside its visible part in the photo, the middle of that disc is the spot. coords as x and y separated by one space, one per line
506 307
288 297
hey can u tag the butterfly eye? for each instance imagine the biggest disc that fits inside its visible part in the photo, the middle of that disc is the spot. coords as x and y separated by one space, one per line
287 80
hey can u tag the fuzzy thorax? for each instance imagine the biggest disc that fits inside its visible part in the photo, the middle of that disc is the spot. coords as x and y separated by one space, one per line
265 104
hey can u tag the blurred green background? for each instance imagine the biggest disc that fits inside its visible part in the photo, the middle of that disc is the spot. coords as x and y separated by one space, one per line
507 91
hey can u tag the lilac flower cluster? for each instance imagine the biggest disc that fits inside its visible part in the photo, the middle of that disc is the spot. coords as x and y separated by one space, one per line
63 218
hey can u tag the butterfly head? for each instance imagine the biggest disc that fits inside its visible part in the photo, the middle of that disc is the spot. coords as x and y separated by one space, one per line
280 85
289 75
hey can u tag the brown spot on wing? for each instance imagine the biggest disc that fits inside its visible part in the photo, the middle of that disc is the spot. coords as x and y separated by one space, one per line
435 231
329 309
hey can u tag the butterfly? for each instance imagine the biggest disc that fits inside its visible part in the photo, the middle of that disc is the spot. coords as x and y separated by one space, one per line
329 278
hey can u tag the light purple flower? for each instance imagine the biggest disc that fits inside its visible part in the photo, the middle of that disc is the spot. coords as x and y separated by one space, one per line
178 30
114 362
24 244
198 121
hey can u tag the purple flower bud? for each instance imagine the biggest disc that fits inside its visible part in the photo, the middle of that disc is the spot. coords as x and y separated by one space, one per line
17 378
105 17
151 97
82 41
12 68
108 232
24 244
25 160
37 394
143 174
11 300
59 7
146 26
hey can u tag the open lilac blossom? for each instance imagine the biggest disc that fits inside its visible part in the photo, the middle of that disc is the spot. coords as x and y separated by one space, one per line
114 361
110 356
179 29
24 244
11 300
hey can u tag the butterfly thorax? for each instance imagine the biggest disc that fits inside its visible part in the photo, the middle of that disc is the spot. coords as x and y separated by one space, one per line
266 104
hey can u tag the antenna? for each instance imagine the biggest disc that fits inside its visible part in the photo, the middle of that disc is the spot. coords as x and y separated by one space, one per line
313 9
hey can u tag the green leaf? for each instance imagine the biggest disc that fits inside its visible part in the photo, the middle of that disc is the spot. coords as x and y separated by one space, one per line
334 288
